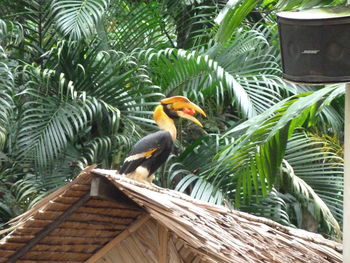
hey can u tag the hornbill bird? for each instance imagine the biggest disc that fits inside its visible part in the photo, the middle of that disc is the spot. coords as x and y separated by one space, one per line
153 150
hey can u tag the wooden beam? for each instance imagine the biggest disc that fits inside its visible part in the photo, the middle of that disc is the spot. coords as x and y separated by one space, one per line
45 231
104 189
163 237
119 238
176 256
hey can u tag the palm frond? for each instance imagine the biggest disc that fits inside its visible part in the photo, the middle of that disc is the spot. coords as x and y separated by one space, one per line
273 206
141 26
50 123
198 74
200 189
188 182
305 192
59 120
253 62
6 98
315 174
188 172
78 18
125 86
11 33
61 170
194 23
331 118
116 79
39 33
18 196
96 151
47 123
236 12
27 191
258 154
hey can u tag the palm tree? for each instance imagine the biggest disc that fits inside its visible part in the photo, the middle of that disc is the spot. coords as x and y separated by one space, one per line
79 81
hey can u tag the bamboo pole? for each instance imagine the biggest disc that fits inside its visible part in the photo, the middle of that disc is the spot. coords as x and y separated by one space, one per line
346 215
346 195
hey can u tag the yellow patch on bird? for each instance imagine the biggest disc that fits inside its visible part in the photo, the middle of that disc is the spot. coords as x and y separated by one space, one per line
149 153
159 114
164 121
146 155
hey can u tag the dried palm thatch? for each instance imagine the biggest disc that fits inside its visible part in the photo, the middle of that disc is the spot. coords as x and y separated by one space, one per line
103 217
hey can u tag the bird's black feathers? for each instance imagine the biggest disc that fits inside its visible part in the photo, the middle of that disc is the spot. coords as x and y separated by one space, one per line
159 143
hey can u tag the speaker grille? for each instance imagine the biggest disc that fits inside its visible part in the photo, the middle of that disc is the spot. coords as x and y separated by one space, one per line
315 53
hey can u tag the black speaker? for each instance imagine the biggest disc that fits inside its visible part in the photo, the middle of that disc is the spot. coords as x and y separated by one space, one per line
315 45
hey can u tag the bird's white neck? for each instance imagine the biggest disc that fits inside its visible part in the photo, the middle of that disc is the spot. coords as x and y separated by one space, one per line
164 122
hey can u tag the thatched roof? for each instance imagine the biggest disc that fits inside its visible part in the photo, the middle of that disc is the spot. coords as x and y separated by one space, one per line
103 217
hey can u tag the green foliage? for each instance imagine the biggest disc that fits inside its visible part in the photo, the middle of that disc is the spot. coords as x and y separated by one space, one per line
263 143
79 80
78 19
18 195
236 13
314 173
146 27
258 161
6 98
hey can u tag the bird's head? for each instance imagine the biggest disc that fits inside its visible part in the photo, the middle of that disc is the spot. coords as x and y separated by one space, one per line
178 107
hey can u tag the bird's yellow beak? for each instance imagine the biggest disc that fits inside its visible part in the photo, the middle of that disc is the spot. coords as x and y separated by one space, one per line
184 108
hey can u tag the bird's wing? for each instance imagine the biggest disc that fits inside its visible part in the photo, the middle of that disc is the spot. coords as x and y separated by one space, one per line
150 146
